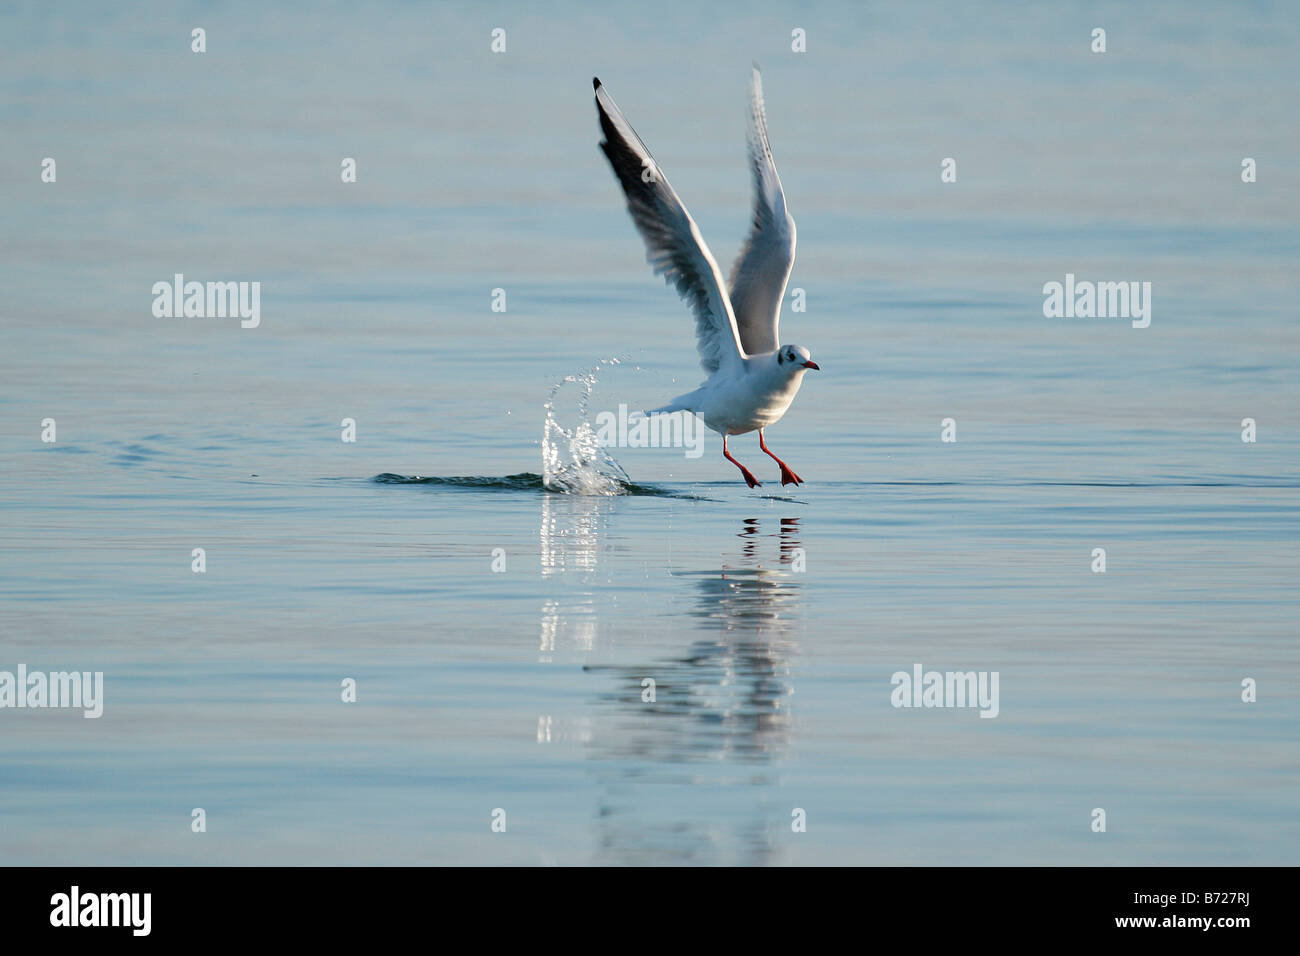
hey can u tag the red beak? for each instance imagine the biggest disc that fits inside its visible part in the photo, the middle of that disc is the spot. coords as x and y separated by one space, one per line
812 365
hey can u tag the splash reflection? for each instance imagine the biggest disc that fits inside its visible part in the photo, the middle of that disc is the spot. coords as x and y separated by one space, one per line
571 529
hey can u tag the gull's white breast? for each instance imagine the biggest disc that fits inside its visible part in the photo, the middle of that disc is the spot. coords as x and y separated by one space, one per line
734 406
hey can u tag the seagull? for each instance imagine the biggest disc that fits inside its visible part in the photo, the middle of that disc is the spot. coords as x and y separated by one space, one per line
752 378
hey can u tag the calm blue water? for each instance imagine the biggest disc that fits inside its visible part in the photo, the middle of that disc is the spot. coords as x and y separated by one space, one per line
521 689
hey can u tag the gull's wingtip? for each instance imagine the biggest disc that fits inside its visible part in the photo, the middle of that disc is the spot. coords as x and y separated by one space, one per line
595 82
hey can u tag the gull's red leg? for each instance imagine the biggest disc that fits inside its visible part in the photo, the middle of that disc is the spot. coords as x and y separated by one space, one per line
787 476
749 478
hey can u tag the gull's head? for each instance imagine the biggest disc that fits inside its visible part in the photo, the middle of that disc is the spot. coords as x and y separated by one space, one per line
795 358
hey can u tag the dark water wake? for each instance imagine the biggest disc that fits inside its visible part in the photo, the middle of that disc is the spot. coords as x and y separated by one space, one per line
524 481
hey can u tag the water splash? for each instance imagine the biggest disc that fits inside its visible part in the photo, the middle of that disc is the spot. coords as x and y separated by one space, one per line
573 461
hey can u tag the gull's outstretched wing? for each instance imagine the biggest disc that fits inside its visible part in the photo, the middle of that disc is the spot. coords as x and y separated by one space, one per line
759 276
674 246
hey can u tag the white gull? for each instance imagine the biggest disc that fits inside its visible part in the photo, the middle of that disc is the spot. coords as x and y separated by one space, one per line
752 378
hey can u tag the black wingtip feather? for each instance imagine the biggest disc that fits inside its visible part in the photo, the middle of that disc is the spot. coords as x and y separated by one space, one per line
595 82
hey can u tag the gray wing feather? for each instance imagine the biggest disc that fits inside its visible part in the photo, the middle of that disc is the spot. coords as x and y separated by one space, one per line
760 274
674 246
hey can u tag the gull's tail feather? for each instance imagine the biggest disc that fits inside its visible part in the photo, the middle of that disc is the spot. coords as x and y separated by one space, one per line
682 403
673 406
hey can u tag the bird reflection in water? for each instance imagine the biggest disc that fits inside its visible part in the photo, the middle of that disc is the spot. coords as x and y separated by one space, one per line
689 775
